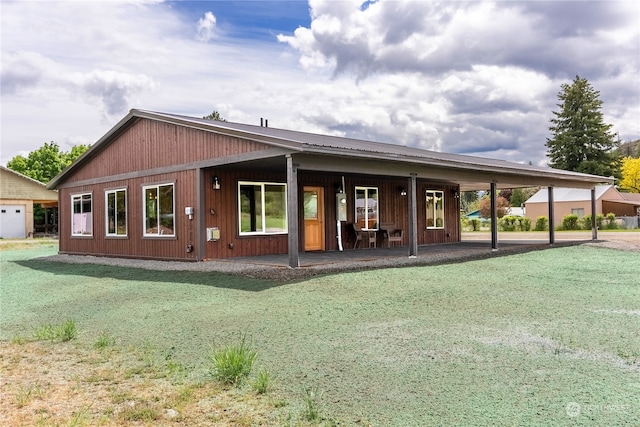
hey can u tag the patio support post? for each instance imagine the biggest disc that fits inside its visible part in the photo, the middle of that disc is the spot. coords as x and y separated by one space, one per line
413 217
594 223
201 231
494 216
552 237
292 212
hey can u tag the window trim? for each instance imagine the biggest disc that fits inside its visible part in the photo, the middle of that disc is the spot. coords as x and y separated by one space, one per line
75 196
106 212
144 210
263 232
434 193
355 195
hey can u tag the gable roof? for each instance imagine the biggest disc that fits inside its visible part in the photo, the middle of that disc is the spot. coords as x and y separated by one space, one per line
569 194
327 145
15 185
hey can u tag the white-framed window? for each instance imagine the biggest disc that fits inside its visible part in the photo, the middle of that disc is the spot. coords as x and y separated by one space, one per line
262 208
435 208
116 212
367 207
158 210
82 217
578 211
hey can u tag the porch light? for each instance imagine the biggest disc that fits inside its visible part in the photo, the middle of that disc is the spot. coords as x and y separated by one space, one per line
215 183
455 193
403 192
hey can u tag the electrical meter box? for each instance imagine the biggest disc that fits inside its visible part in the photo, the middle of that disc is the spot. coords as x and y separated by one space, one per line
341 206
213 234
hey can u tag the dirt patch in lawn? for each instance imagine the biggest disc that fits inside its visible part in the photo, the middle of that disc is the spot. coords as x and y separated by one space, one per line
47 383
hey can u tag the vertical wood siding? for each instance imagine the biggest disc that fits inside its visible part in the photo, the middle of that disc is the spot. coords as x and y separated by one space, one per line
134 245
148 145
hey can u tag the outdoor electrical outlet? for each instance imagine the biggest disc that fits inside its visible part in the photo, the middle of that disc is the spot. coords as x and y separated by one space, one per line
189 248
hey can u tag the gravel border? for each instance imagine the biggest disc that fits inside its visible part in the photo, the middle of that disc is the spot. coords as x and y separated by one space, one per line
286 274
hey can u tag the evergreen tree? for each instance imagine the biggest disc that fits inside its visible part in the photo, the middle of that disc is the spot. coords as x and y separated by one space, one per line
214 116
581 141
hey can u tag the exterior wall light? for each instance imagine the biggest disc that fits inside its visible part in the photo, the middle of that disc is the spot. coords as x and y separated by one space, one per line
215 183
403 192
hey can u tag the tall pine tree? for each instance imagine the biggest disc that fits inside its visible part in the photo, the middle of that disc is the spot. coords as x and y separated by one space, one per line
581 140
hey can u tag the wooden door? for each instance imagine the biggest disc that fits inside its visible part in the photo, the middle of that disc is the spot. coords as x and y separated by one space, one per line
313 206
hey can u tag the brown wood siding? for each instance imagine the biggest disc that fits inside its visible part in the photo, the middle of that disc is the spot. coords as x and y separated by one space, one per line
224 203
451 231
134 245
148 144
393 207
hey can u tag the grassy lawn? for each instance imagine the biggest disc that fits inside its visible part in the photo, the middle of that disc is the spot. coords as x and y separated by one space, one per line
544 338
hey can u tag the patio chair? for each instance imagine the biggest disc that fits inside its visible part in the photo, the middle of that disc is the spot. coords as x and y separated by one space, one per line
391 234
364 235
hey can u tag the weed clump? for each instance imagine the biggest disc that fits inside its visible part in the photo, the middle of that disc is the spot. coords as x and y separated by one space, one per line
65 331
232 363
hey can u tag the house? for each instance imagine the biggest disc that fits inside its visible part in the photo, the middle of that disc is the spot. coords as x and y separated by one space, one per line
577 201
18 194
166 186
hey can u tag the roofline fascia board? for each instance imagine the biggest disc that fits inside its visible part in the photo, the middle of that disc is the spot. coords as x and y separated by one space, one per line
93 150
554 174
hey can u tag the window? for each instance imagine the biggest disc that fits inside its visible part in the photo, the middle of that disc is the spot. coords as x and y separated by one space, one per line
262 208
81 219
578 211
367 207
116 215
435 209
158 210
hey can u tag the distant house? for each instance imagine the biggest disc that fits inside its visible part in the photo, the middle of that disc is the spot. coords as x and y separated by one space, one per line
166 186
578 201
18 194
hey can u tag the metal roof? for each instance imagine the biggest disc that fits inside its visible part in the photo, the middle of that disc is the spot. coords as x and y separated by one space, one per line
568 194
327 145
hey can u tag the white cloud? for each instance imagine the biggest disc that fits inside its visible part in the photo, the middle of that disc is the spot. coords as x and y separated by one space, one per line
474 77
206 27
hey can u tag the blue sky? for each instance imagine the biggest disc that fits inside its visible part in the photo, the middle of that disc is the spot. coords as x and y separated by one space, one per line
475 77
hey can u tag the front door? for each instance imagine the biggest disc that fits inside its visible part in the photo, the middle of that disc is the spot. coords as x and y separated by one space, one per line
313 218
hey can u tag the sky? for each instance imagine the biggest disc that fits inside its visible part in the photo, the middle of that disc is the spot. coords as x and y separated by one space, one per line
476 77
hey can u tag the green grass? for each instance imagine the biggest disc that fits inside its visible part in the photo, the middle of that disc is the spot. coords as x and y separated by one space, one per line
512 340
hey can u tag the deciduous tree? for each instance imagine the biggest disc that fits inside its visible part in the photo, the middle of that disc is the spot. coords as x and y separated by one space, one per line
46 162
485 207
630 175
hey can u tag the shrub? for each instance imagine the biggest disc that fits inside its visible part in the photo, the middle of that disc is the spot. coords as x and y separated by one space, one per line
508 223
570 222
542 224
525 223
585 222
232 363
476 224
611 221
